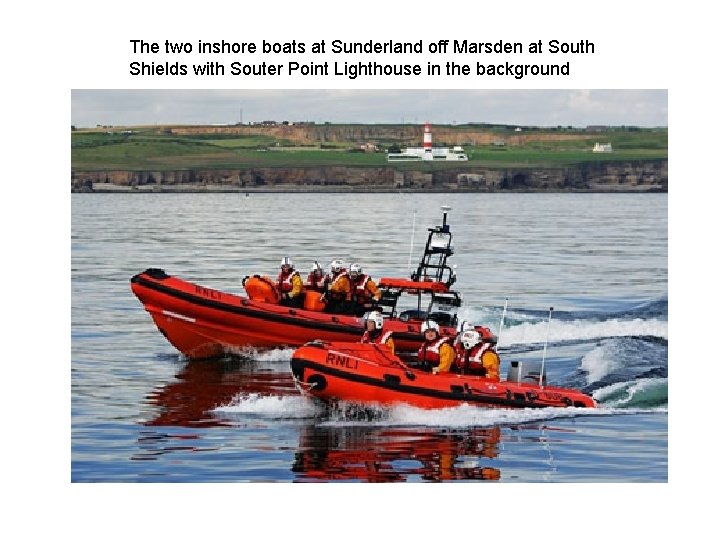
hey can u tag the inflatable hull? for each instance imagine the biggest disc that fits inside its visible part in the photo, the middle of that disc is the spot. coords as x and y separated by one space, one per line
370 374
203 323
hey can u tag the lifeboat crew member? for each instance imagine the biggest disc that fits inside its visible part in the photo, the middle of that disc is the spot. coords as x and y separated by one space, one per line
363 290
290 284
459 329
374 332
337 296
317 280
436 352
479 356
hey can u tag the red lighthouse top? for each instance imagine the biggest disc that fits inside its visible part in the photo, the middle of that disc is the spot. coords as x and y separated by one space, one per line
427 139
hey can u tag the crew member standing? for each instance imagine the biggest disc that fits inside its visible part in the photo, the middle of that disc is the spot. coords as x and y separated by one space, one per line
290 284
374 332
479 356
436 353
363 290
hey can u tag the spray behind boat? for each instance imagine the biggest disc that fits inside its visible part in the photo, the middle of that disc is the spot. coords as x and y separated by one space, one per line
528 372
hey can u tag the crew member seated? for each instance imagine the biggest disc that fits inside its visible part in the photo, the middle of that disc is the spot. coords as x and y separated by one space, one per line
317 280
462 325
337 296
374 332
478 357
436 354
363 290
289 284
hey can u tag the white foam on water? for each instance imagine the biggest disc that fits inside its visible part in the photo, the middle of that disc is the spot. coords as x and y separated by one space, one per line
274 355
629 392
467 415
599 362
270 406
536 332
263 355
299 408
483 316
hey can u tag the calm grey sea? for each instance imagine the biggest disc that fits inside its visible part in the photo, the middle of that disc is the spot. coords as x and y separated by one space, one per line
142 413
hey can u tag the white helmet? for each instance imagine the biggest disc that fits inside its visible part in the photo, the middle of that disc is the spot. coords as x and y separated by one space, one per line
462 326
287 261
337 265
355 270
470 338
429 325
377 318
317 268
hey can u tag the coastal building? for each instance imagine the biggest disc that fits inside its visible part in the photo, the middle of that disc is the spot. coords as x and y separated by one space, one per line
427 152
602 147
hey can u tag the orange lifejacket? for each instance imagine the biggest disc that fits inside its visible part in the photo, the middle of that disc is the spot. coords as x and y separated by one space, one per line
360 291
285 281
471 361
430 351
340 286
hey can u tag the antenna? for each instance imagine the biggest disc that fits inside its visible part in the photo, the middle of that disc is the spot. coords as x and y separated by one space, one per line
412 239
542 366
445 210
502 321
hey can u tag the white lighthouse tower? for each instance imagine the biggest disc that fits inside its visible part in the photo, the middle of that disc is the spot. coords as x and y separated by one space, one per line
427 143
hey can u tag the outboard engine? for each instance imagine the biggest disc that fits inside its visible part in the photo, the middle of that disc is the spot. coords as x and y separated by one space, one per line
525 372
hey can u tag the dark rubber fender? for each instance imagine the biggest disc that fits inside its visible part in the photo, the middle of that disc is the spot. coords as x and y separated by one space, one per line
318 381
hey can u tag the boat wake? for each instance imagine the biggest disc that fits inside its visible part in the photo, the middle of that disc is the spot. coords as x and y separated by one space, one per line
628 372
582 330
526 327
277 355
257 406
270 407
641 393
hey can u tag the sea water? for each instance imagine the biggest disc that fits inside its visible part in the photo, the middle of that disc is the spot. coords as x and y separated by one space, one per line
140 412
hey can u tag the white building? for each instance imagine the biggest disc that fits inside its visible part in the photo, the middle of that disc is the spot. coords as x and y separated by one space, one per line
602 147
456 153
428 153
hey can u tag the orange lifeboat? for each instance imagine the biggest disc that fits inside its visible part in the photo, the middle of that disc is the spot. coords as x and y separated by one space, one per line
370 374
202 322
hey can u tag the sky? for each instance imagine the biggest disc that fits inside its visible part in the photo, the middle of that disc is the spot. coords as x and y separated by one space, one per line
578 108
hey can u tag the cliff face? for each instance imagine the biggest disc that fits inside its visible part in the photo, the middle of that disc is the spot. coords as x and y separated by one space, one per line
411 134
606 176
